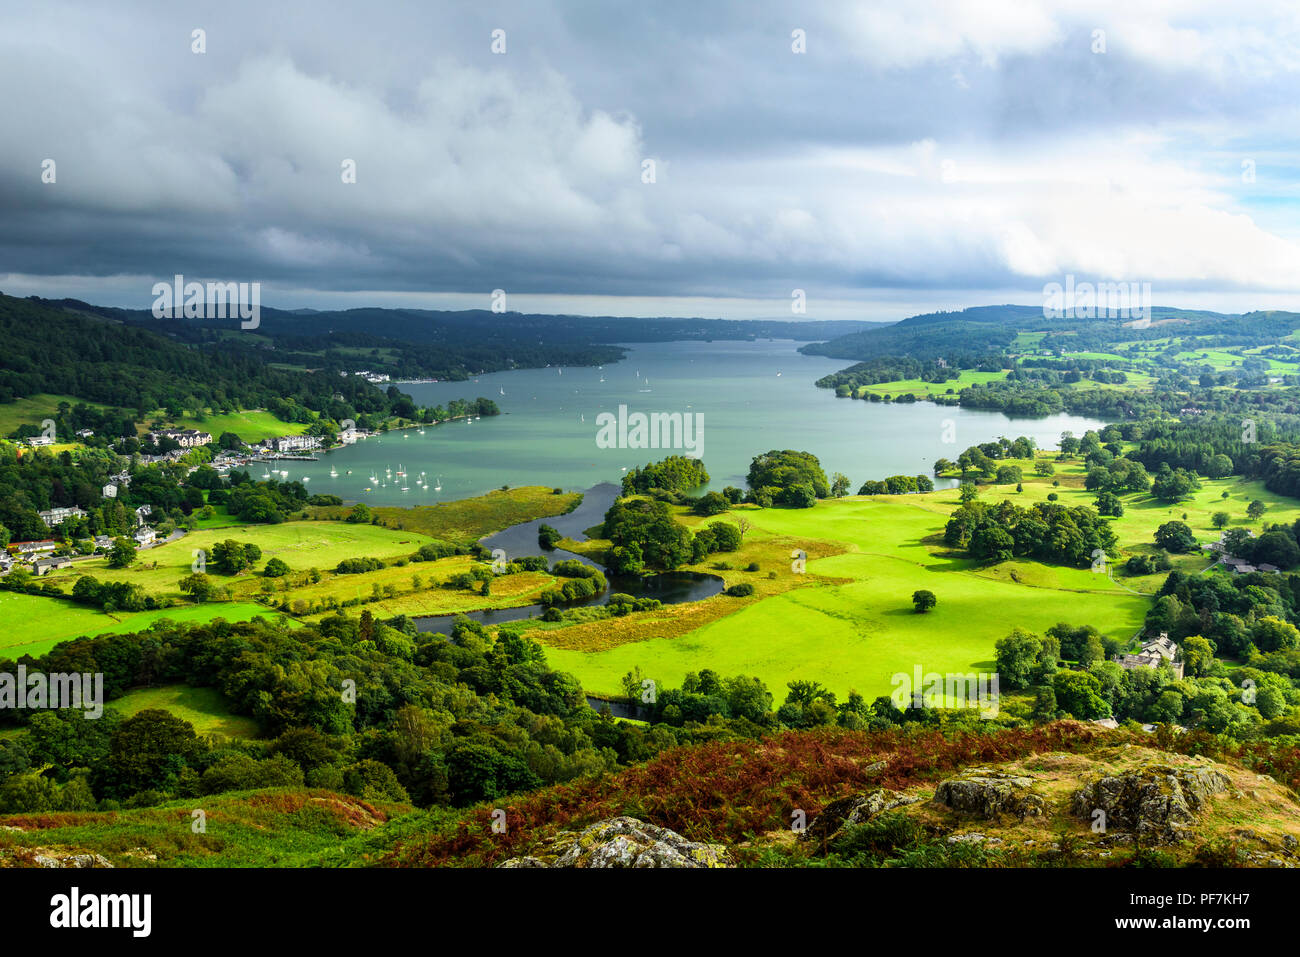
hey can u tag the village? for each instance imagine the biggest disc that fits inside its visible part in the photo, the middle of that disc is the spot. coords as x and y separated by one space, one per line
43 555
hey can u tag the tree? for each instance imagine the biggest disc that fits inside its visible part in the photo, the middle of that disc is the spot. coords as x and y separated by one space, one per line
1219 466
147 750
967 492
711 503
121 554
548 537
275 568
1220 519
1175 537
743 525
1017 654
799 496
1198 656
1256 510
361 514
1171 485
198 586
786 469
923 600
726 538
839 484
1079 693
231 557
1108 503
1273 634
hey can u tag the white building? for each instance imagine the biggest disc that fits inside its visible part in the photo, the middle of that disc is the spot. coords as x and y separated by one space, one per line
57 516
110 490
295 443
185 438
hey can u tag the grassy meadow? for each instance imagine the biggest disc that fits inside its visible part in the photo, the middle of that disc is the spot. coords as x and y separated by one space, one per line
204 708
32 624
849 623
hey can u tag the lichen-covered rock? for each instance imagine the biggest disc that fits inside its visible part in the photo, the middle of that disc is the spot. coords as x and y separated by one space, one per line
46 858
623 842
851 810
1157 801
988 794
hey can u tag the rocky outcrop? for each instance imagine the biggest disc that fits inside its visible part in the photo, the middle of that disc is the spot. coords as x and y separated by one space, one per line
1156 801
43 857
855 809
623 842
989 794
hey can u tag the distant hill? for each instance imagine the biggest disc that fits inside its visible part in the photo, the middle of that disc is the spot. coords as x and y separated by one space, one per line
993 329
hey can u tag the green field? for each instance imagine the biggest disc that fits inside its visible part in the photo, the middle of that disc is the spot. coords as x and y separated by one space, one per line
919 388
469 519
204 708
300 545
857 635
31 410
32 624
251 426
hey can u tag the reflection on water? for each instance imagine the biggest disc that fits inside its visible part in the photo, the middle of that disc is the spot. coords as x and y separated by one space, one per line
671 588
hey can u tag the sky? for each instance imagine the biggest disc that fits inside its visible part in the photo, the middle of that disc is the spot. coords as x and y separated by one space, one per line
886 159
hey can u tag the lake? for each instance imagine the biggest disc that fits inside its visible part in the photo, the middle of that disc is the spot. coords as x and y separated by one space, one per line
752 396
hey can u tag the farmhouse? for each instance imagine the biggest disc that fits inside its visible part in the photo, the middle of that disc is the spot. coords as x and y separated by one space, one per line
43 566
145 536
1152 655
38 440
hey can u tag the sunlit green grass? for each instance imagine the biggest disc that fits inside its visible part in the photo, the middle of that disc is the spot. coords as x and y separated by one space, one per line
204 708
33 624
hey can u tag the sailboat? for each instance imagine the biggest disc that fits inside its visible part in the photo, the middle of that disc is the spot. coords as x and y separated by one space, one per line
503 391
334 473
438 487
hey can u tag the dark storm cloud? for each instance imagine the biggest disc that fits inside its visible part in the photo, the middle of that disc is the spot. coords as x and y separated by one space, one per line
920 146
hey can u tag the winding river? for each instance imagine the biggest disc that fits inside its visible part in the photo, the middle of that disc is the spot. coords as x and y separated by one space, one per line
518 540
